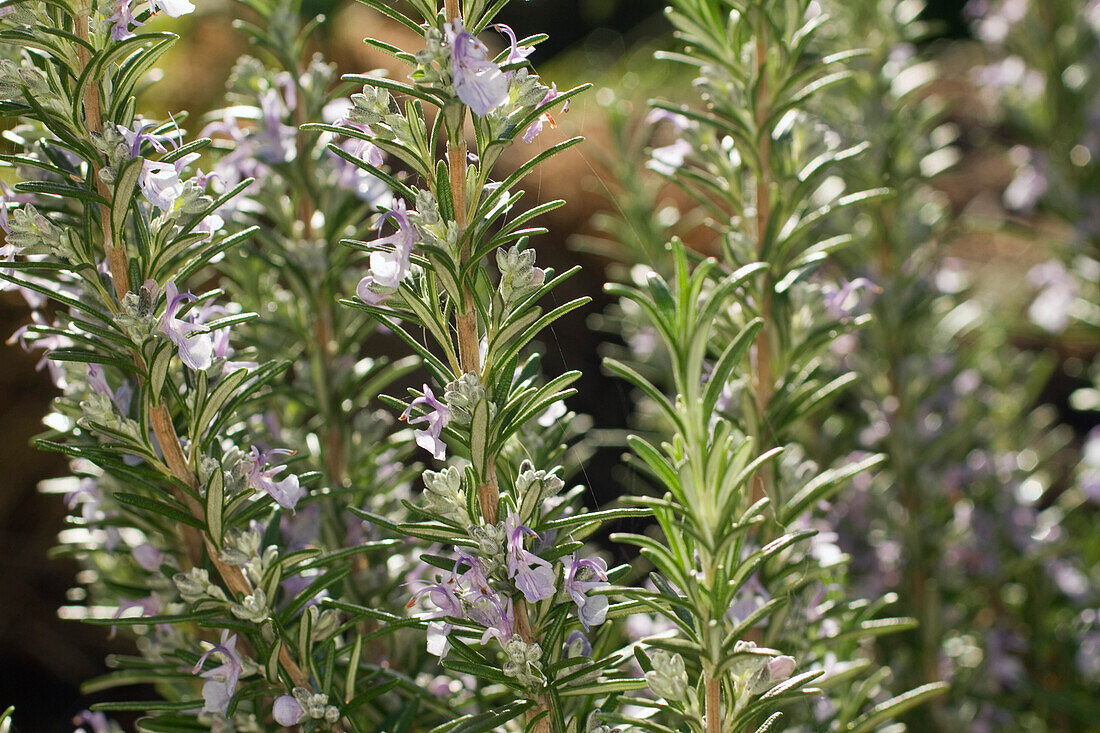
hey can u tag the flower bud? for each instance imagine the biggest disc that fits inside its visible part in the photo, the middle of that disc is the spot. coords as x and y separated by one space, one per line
443 494
253 608
462 395
533 487
668 678
518 274
195 586
523 662
369 107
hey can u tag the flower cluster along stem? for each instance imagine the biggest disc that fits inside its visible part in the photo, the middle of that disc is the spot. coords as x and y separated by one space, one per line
160 419
488 491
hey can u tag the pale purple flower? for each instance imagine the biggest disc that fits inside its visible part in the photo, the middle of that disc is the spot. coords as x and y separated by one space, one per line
678 121
298 582
495 614
47 342
121 21
577 645
160 182
780 668
137 136
447 603
443 597
121 396
348 175
473 595
535 128
478 82
287 711
209 224
174 8
473 581
89 497
147 556
516 52
97 721
389 268
534 577
275 142
238 164
362 183
842 302
222 350
286 492
437 416
192 339
666 160
221 681
581 577
149 606
301 530
1053 305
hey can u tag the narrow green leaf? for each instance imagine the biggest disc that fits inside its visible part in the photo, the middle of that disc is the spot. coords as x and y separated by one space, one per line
174 512
124 191
895 706
479 437
214 507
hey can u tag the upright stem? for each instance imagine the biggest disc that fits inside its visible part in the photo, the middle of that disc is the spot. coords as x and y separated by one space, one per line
160 418
762 384
469 357
713 702
93 121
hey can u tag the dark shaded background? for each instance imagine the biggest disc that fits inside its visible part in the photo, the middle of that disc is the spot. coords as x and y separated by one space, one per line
43 660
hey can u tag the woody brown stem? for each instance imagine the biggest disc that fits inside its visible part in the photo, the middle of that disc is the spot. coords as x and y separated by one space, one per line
762 382
469 356
713 703
542 701
93 121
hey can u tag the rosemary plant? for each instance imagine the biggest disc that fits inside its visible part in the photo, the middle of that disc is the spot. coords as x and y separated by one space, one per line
511 602
753 590
110 222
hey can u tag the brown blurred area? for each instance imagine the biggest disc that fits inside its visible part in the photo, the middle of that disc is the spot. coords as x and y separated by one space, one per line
41 658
